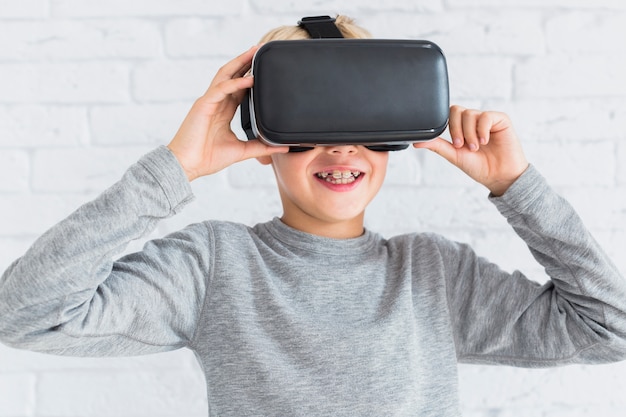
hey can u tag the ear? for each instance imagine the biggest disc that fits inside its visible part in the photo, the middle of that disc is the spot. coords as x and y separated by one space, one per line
265 159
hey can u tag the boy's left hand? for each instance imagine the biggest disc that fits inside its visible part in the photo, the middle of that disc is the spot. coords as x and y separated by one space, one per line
484 146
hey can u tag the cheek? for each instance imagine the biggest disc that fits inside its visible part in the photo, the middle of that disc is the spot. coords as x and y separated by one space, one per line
379 165
287 169
289 162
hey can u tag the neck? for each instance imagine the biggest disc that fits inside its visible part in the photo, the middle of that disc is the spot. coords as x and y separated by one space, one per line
340 229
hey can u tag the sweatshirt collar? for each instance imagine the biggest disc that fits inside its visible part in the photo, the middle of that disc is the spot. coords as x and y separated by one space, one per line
310 243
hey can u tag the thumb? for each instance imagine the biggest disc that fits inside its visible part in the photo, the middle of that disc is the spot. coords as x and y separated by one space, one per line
440 146
255 148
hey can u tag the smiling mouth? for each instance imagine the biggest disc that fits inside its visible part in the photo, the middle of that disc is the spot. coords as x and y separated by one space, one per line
339 177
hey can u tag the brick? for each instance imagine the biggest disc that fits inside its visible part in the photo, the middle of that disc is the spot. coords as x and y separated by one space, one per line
583 386
555 66
543 4
506 249
586 32
486 387
564 76
89 82
566 120
197 37
54 39
14 171
10 249
404 168
438 172
574 386
85 170
601 208
349 8
136 124
250 174
17 394
585 411
427 208
14 360
154 8
23 9
621 164
468 33
192 37
513 33
32 214
560 410
584 164
55 126
105 393
248 206
375 6
388 214
158 81
480 78
433 27
613 241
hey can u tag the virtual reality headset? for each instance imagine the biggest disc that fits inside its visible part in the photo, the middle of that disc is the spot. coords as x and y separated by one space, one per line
380 93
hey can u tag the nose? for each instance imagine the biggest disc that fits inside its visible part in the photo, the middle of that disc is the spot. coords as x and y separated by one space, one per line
342 150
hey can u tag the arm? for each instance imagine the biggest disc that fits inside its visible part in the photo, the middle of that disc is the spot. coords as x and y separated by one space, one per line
66 295
579 315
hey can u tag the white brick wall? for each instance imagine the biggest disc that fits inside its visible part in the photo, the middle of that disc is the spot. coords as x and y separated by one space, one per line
86 86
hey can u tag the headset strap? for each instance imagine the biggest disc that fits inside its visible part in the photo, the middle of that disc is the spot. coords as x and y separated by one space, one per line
320 27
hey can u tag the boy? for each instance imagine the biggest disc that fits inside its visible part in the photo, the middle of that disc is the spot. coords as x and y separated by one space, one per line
311 314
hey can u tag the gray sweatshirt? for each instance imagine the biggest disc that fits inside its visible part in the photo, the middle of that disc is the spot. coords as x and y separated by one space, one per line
284 323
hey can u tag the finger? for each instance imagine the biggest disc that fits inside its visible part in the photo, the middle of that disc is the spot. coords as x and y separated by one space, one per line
441 147
239 95
470 121
455 126
235 89
236 67
256 148
241 64
225 89
483 127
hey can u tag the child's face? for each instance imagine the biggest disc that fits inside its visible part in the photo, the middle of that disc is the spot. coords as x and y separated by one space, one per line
325 190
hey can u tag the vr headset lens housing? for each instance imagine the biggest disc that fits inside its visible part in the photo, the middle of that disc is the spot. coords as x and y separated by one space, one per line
383 94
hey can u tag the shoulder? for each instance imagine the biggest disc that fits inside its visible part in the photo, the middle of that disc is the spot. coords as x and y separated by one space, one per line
218 230
228 233
207 233
433 247
226 227
417 241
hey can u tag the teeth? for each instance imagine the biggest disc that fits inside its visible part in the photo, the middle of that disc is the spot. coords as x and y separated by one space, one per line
339 177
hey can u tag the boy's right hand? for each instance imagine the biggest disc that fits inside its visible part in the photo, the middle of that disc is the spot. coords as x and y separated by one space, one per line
205 142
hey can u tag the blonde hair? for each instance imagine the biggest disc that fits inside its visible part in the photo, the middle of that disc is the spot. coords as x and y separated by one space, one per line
346 26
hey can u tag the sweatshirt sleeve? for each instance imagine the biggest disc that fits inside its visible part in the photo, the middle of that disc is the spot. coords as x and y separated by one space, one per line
578 316
66 295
